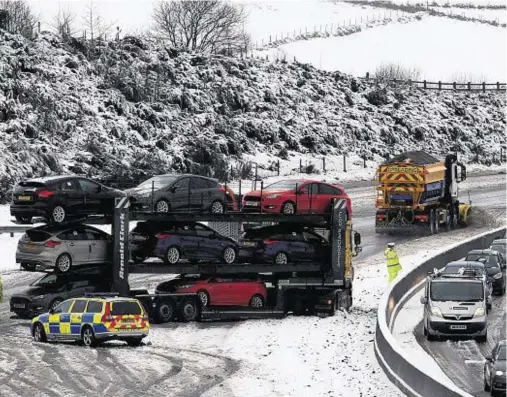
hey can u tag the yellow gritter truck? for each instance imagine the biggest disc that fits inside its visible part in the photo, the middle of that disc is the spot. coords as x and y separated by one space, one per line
418 191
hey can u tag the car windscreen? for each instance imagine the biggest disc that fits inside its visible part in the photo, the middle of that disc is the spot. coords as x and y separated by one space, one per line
488 260
499 247
501 353
284 185
49 280
460 292
454 269
125 307
159 182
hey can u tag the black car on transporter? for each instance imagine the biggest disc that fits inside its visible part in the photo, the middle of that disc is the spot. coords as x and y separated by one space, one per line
57 198
175 192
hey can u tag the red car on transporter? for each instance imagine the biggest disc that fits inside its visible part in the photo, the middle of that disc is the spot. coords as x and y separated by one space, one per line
291 196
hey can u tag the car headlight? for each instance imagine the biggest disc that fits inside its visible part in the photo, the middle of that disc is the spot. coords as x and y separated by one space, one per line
38 297
499 373
272 196
186 286
497 276
435 311
479 312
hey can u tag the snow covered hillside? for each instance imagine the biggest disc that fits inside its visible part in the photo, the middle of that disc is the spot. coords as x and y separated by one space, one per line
127 110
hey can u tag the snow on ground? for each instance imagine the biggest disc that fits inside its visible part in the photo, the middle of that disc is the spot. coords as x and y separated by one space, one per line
403 331
440 48
276 18
483 3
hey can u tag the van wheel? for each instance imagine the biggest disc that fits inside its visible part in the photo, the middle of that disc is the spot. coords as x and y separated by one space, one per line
486 385
482 338
39 335
88 337
63 263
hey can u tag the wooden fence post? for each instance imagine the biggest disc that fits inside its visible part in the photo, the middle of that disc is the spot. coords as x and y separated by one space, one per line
364 161
269 39
454 85
367 75
498 85
324 164
300 165
439 85
424 84
344 163
278 167
469 86
483 87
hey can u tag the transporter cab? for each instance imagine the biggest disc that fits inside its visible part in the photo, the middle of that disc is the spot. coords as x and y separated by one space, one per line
454 305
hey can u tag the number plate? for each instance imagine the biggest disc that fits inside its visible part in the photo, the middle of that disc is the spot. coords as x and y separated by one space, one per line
19 305
252 203
249 244
30 245
128 320
24 198
458 327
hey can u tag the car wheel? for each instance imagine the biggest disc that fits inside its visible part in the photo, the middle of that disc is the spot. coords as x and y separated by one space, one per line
24 219
162 206
134 342
28 266
189 311
63 263
165 311
88 337
256 301
229 255
217 207
204 298
288 208
281 258
39 335
486 386
54 303
58 215
172 255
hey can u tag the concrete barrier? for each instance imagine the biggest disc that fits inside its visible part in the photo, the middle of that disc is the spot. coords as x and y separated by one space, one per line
396 363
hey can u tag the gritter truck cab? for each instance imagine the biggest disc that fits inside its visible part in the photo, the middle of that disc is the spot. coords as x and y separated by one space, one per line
418 191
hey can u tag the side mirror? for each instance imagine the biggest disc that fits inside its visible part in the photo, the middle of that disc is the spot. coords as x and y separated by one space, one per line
424 300
489 358
51 311
173 189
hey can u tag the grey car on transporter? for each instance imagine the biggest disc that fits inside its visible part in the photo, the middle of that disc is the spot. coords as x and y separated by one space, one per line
63 247
51 289
179 192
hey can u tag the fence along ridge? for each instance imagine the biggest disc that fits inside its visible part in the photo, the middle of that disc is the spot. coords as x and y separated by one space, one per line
458 86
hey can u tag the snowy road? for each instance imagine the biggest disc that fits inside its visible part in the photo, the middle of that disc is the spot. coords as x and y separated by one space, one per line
463 360
291 357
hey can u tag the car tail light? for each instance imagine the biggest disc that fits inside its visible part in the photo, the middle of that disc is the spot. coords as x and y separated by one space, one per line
270 242
146 317
45 194
107 318
162 235
52 244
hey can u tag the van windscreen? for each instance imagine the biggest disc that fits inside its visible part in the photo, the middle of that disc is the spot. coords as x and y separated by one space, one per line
459 292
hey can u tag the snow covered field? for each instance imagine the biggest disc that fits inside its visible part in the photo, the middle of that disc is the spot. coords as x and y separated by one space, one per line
440 48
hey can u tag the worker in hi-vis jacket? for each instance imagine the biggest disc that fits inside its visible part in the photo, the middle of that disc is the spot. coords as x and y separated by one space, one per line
392 261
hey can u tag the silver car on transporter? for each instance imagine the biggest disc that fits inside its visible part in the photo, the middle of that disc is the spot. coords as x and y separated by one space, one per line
63 247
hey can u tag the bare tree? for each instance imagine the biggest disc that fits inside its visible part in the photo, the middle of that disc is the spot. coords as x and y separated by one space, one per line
94 24
20 18
390 71
208 26
64 23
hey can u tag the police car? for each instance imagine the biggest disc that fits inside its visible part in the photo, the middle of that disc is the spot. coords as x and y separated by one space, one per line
93 320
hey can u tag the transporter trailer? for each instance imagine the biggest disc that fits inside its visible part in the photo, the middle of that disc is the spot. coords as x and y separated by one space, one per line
298 288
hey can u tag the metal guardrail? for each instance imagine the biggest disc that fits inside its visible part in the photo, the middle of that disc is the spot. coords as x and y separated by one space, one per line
398 366
14 229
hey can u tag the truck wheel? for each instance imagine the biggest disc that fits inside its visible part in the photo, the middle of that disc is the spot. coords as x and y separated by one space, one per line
448 216
165 311
431 222
436 218
189 311
343 300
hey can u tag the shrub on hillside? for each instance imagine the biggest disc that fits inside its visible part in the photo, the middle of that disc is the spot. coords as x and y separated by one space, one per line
390 71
